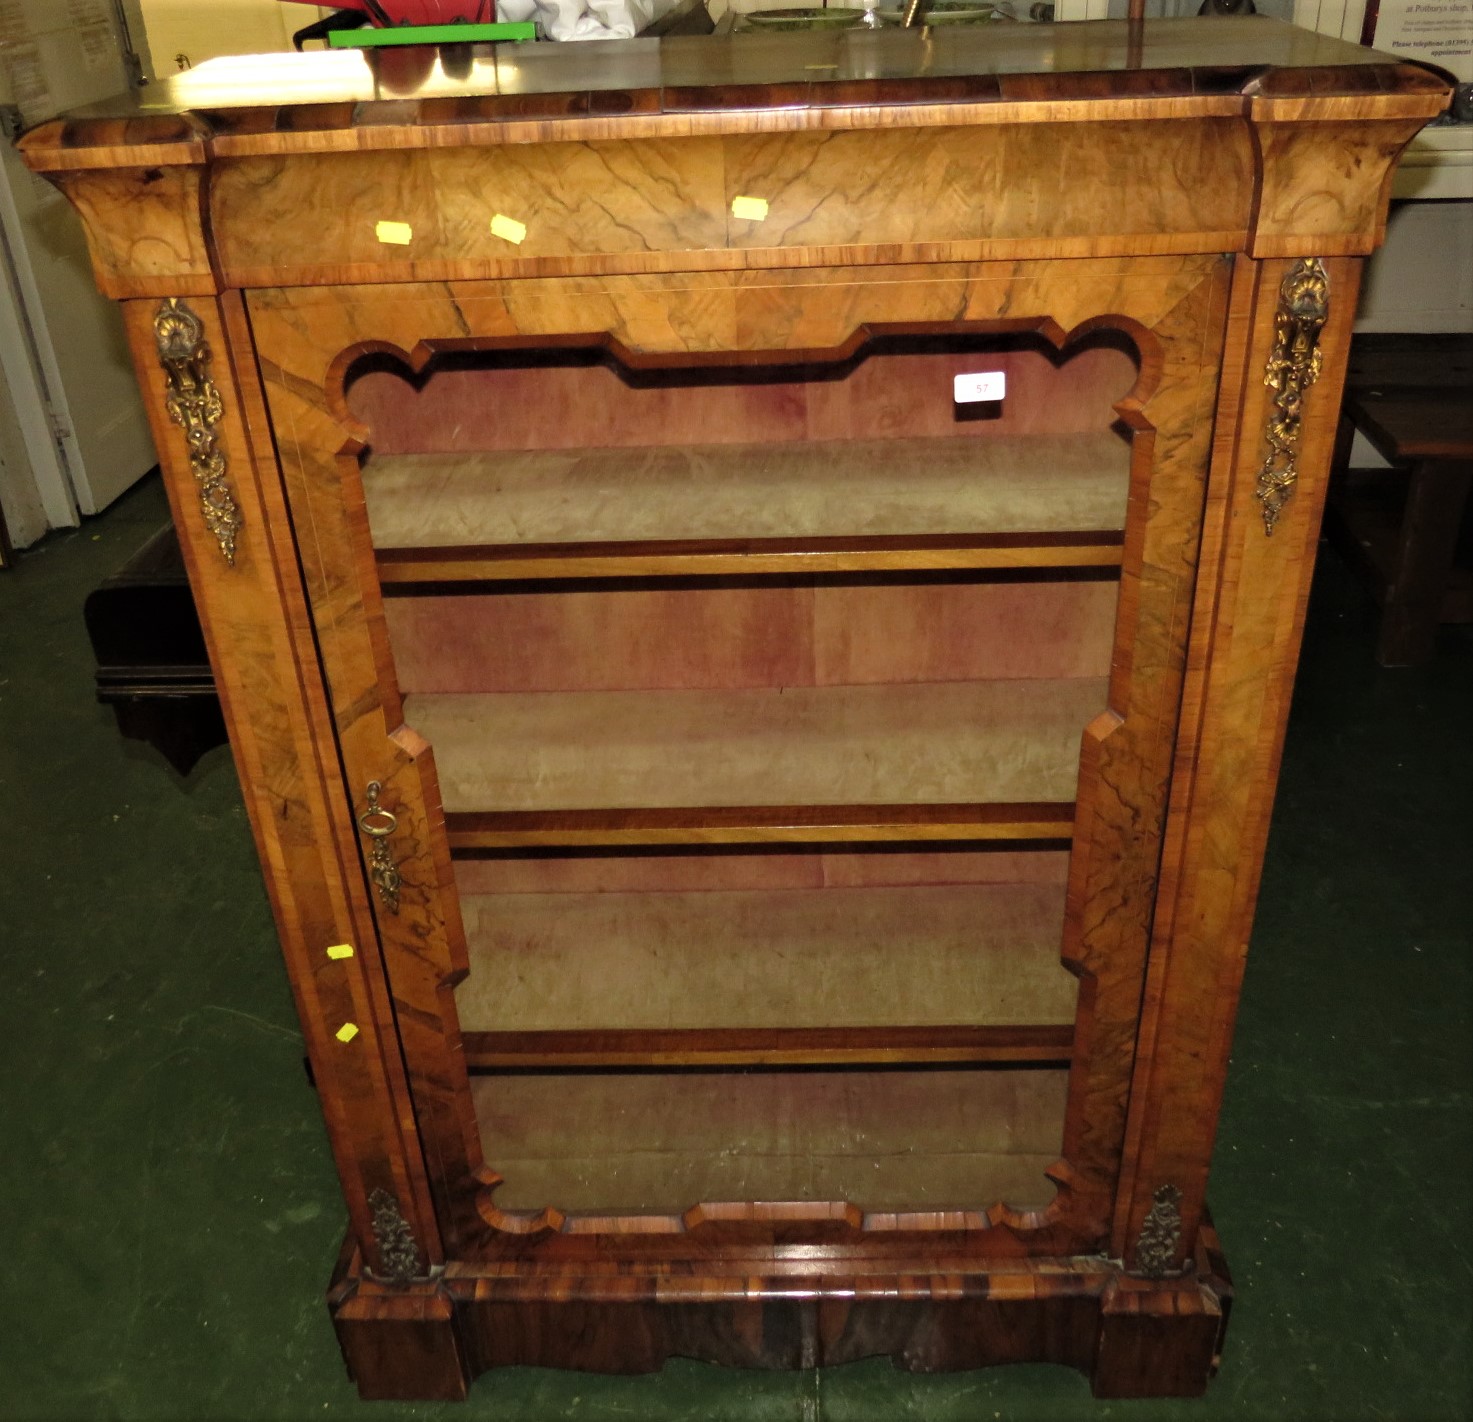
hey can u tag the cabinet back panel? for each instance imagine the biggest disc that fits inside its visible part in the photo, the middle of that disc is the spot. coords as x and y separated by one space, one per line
570 399
751 635
665 1141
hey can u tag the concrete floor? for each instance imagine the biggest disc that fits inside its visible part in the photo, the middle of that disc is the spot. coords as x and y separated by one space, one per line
170 1212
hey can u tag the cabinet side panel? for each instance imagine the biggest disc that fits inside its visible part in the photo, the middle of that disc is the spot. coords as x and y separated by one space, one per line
1247 624
254 618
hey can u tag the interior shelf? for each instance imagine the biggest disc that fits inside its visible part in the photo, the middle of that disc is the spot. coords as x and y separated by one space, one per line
647 1142
933 972
994 759
796 506
766 1046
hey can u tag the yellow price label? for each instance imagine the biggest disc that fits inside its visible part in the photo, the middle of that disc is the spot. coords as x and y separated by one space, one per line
508 228
749 209
394 234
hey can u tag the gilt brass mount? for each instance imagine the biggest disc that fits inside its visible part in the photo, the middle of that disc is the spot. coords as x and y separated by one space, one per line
194 404
398 1254
1293 366
1155 1250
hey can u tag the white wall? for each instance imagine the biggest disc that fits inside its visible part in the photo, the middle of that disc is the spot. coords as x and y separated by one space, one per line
20 495
1422 279
201 29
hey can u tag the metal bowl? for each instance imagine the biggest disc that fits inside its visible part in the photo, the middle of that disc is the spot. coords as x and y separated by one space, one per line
815 19
955 12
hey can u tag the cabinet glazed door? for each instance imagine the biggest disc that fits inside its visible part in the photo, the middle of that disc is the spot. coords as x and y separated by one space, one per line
758 694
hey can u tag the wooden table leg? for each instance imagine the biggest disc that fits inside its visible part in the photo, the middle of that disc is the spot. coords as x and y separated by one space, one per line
1344 439
1437 493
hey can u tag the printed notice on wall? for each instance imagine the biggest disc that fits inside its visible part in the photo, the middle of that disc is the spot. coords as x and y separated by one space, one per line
29 91
13 24
92 24
1437 31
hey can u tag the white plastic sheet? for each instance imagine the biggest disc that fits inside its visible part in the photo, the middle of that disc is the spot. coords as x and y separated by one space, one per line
586 19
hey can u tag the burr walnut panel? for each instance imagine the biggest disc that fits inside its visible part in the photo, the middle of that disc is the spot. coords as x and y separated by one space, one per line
144 230
660 204
1309 205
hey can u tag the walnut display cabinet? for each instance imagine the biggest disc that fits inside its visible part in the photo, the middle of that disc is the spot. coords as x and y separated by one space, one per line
764 848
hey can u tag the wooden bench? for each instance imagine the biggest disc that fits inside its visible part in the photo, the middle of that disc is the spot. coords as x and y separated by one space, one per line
152 668
1411 396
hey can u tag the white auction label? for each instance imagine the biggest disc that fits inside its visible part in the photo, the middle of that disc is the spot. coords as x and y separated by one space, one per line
981 385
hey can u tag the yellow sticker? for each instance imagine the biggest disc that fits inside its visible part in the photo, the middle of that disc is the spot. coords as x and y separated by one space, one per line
396 234
749 209
347 1032
340 950
508 227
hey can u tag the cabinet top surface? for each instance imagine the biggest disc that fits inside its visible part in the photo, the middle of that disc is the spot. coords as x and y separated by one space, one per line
1189 62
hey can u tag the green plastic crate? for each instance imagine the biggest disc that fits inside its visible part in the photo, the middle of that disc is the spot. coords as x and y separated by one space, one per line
432 34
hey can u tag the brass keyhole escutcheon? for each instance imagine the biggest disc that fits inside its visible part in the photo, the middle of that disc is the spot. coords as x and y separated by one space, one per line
378 824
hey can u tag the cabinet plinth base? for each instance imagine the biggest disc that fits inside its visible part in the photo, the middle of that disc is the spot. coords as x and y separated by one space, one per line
1134 1337
400 1344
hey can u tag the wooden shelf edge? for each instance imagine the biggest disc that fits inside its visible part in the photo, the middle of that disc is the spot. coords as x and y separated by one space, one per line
413 567
782 1046
1032 824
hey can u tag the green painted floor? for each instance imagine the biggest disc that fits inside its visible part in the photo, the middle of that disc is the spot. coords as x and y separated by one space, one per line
169 1212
